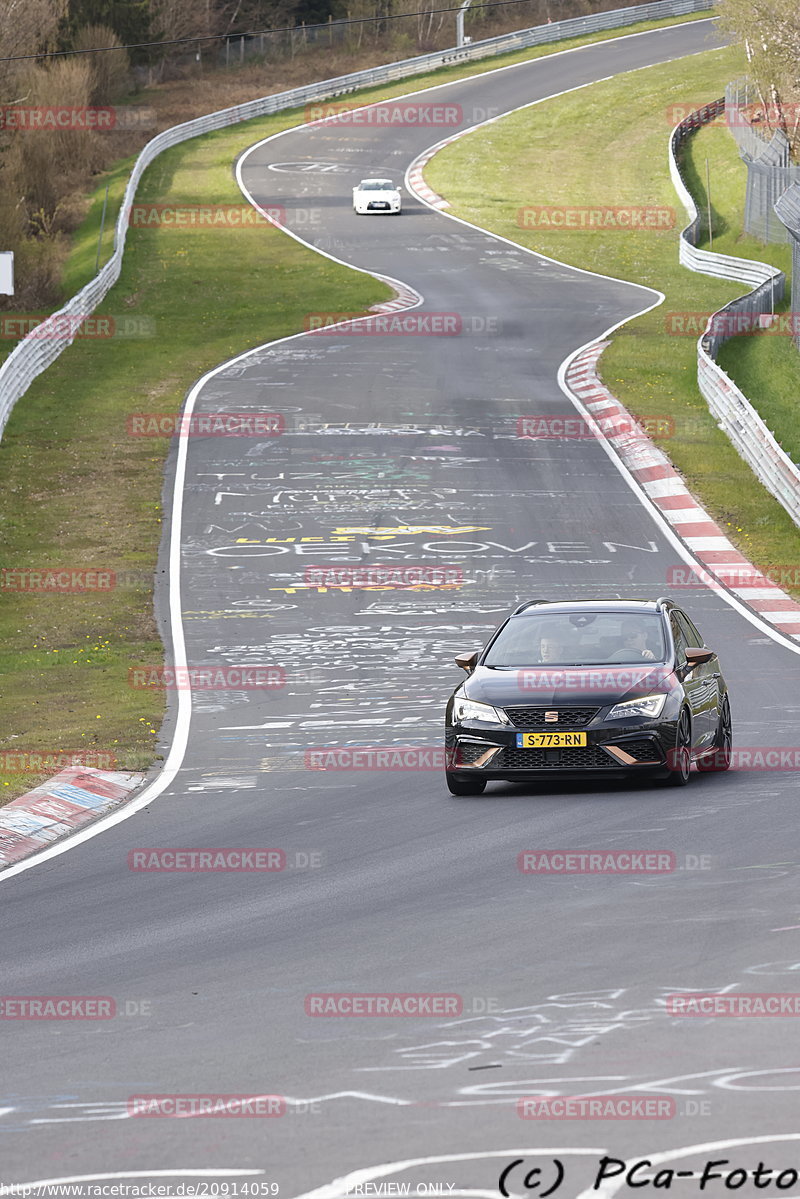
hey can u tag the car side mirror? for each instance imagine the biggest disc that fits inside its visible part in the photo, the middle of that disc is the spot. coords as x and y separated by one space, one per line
696 655
467 662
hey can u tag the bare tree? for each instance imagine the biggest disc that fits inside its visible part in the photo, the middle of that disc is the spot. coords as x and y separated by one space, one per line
28 26
110 71
770 33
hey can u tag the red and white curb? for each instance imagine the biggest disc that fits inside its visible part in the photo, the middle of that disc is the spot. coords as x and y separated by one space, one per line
69 800
414 175
406 297
722 564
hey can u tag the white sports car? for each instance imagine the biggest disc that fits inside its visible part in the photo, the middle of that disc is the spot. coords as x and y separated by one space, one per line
376 195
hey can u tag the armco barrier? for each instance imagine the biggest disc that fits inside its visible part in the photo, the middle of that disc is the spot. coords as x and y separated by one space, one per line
35 353
728 405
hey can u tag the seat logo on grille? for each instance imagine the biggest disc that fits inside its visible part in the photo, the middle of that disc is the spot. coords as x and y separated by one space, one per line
551 717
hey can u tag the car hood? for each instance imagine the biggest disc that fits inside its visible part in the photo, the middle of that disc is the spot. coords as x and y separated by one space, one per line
388 194
567 686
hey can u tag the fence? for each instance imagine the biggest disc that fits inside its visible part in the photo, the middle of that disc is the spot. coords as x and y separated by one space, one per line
767 158
788 210
731 409
37 352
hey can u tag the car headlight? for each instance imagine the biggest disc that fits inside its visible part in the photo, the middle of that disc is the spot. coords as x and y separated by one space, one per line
648 705
469 709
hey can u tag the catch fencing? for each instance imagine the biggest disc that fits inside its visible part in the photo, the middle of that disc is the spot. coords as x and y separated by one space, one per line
767 158
788 210
37 351
733 412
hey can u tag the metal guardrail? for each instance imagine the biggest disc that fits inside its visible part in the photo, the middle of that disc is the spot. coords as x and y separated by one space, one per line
733 412
37 351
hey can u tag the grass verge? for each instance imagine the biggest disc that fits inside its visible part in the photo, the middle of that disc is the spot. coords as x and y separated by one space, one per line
616 155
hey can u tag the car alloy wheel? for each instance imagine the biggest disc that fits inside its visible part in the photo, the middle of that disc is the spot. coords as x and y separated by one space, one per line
680 773
720 759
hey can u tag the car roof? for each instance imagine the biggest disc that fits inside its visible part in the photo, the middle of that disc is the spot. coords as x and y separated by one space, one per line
381 180
534 607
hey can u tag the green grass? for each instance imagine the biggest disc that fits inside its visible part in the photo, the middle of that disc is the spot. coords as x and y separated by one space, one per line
767 369
616 155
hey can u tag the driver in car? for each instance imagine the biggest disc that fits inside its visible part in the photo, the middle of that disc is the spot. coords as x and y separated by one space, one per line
551 649
634 641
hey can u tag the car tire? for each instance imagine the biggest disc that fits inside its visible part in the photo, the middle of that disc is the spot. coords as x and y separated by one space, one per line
458 784
681 773
720 759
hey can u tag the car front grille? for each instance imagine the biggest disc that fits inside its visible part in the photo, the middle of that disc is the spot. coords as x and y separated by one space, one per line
470 753
645 750
533 718
588 757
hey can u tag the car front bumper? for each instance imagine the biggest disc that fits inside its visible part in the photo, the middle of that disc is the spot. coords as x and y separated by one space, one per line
638 747
383 210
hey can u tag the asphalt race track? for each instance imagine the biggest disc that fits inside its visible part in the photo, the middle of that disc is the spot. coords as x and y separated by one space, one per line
403 450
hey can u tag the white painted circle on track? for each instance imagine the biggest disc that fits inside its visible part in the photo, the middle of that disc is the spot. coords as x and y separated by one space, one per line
312 168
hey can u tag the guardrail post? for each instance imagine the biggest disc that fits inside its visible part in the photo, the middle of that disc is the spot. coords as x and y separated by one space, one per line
460 23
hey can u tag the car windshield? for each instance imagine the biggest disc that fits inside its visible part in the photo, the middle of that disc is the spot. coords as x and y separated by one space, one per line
578 639
376 185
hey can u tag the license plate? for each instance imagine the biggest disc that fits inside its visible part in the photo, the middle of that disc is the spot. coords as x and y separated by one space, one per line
550 740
